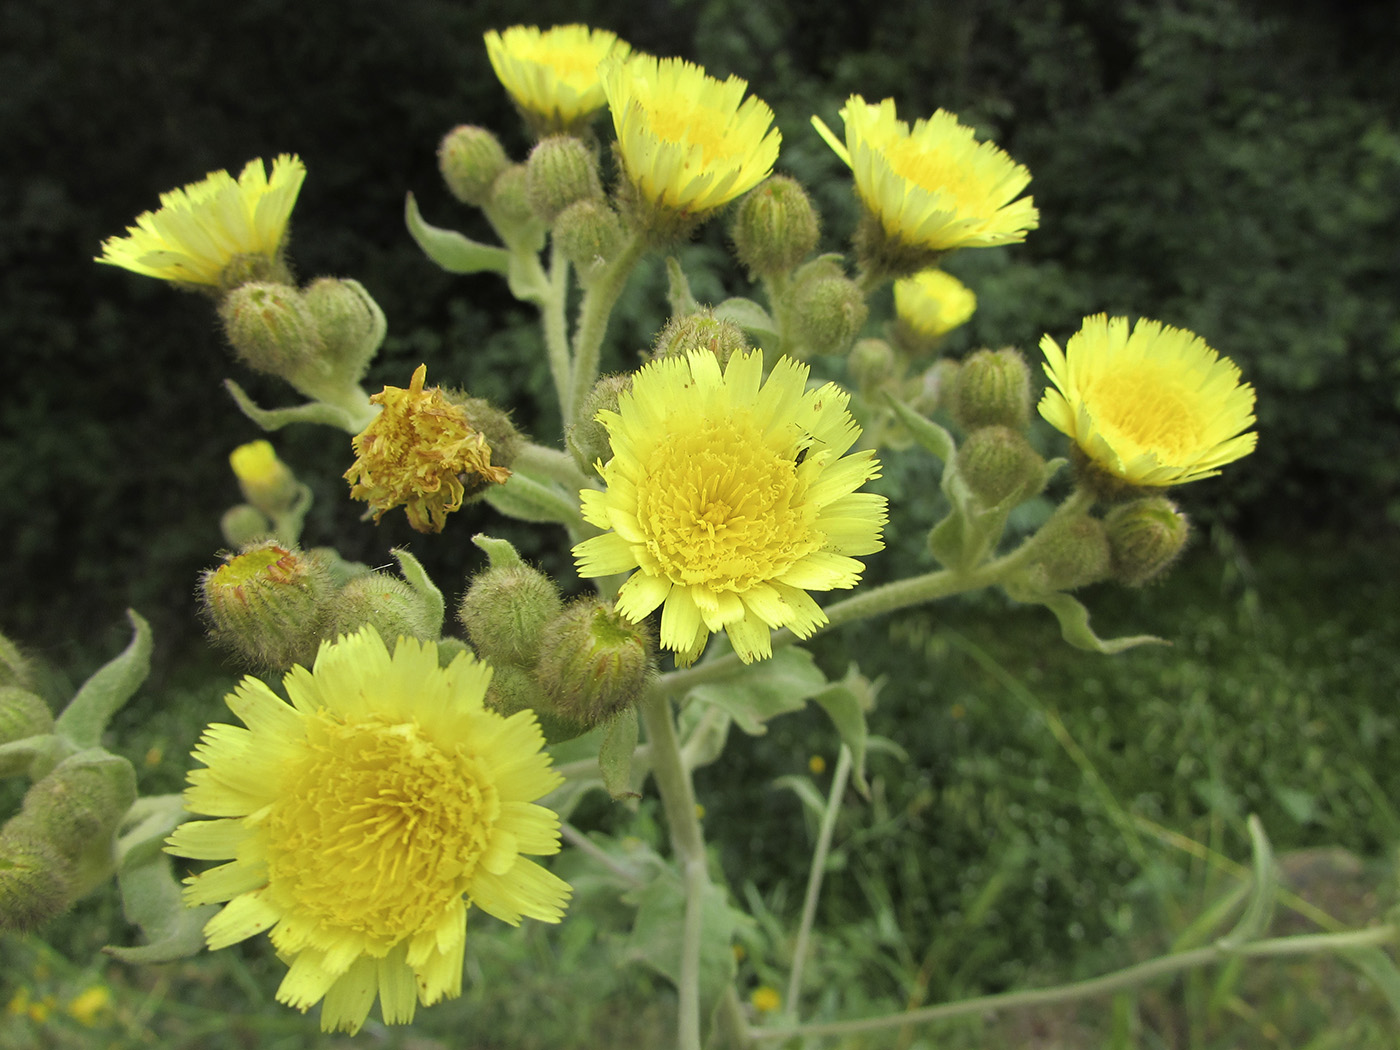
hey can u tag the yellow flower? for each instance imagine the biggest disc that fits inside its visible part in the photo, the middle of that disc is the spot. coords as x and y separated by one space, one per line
766 999
932 303
689 143
732 498
931 188
418 453
553 74
1155 407
89 1004
265 481
201 228
363 819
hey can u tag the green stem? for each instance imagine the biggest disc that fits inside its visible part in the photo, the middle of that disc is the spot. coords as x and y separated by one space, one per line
552 305
594 312
540 461
687 840
1128 977
814 879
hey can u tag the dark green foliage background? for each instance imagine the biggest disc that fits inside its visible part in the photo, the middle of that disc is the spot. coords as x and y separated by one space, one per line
1230 169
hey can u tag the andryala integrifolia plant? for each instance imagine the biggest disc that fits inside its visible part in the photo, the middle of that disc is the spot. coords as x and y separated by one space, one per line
712 499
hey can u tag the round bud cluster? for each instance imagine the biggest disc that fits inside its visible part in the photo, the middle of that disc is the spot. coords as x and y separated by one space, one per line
351 324
999 465
272 330
589 233
1069 554
992 389
1145 537
701 330
775 227
828 308
470 158
561 171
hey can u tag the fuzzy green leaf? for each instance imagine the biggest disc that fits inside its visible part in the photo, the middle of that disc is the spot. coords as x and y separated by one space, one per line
449 249
784 682
417 578
110 686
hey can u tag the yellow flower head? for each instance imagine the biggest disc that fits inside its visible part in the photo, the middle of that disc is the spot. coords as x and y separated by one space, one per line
552 74
201 228
689 143
266 482
422 453
732 498
1153 407
361 820
931 188
932 303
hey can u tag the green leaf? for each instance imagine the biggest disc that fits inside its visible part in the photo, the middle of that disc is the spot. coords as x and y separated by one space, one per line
752 318
150 893
528 499
615 754
1074 622
449 249
925 431
110 686
34 756
1380 968
1260 908
678 295
417 578
784 682
500 553
806 792
846 702
276 418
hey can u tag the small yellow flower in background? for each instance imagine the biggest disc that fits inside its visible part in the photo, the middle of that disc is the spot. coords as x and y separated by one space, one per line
689 143
265 481
931 188
1153 407
766 1000
363 819
422 453
201 228
552 74
89 1005
732 498
816 765
933 303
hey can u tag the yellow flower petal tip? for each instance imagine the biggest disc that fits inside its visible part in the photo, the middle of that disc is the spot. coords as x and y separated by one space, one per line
552 74
361 820
932 303
1150 407
689 143
203 227
729 498
928 189
420 453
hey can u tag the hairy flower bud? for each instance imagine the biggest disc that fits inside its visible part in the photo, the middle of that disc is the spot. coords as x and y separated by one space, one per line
384 602
505 612
588 439
350 322
510 211
589 233
268 603
1145 536
993 388
828 309
80 801
560 171
34 879
1070 554
272 330
22 714
700 331
593 663
872 363
775 227
470 159
998 463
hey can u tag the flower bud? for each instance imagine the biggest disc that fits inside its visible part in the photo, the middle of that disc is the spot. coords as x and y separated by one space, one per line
272 330
828 309
929 305
492 423
998 463
351 324
470 159
589 233
22 714
505 612
993 388
268 604
243 524
872 363
560 171
775 227
1070 554
593 663
384 602
700 331
588 439
510 211
1145 536
34 879
266 482
76 809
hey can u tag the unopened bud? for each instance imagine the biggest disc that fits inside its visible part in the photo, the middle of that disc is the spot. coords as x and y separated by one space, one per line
560 171
76 809
492 423
998 463
828 309
775 227
1070 554
34 880
22 714
1145 536
470 159
993 388
505 612
266 482
588 438
929 305
589 233
272 330
351 324
510 211
872 363
594 663
700 331
386 603
268 603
